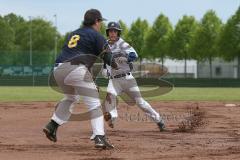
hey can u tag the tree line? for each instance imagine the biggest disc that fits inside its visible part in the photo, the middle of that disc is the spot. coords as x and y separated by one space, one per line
201 40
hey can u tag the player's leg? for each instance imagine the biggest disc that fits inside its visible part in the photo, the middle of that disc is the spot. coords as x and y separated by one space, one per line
71 80
134 92
60 116
88 90
62 109
110 102
111 113
147 108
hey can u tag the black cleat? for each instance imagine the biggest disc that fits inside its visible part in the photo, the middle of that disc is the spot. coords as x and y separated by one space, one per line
161 126
101 142
50 131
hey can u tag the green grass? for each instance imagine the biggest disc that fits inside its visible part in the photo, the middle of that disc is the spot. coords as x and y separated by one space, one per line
201 94
18 94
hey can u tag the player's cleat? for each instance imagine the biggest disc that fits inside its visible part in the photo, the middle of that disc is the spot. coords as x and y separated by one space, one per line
50 131
108 118
161 126
101 142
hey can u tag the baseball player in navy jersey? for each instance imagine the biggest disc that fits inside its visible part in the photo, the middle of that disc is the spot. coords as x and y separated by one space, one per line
121 78
72 75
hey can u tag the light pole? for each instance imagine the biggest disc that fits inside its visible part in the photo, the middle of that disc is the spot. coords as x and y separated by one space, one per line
55 48
30 41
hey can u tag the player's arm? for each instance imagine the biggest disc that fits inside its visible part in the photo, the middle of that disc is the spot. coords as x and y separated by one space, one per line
131 53
103 50
100 44
132 56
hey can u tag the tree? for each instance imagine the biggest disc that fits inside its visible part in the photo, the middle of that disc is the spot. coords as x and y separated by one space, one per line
124 29
43 40
18 54
204 45
7 36
136 35
6 41
103 29
43 35
157 39
229 41
181 38
62 39
19 27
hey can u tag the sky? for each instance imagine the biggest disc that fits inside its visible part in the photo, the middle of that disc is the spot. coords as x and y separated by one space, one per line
70 12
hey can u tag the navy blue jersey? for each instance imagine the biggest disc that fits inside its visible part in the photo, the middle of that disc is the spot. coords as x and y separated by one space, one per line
83 41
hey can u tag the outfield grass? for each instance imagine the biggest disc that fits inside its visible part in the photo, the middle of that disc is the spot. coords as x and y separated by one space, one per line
201 94
18 94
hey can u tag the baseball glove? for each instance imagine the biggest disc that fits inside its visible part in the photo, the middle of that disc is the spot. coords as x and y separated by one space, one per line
109 60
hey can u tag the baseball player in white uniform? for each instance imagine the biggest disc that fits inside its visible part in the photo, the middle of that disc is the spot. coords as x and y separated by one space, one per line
121 78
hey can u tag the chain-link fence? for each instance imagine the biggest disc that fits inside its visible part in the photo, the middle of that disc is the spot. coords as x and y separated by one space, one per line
20 58
35 75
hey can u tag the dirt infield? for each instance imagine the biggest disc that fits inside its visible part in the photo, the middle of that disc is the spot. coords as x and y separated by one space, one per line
135 136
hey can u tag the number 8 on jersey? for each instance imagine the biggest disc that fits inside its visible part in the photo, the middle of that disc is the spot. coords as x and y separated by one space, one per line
73 41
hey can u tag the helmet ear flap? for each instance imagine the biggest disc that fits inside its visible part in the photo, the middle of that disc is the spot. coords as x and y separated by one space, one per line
119 33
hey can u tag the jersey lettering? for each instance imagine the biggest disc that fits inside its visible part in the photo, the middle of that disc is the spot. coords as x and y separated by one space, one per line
73 41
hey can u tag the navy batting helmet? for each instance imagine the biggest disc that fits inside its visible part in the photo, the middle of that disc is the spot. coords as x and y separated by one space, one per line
115 26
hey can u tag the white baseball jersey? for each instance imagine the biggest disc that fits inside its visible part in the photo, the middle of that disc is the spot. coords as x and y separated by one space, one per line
120 49
127 83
